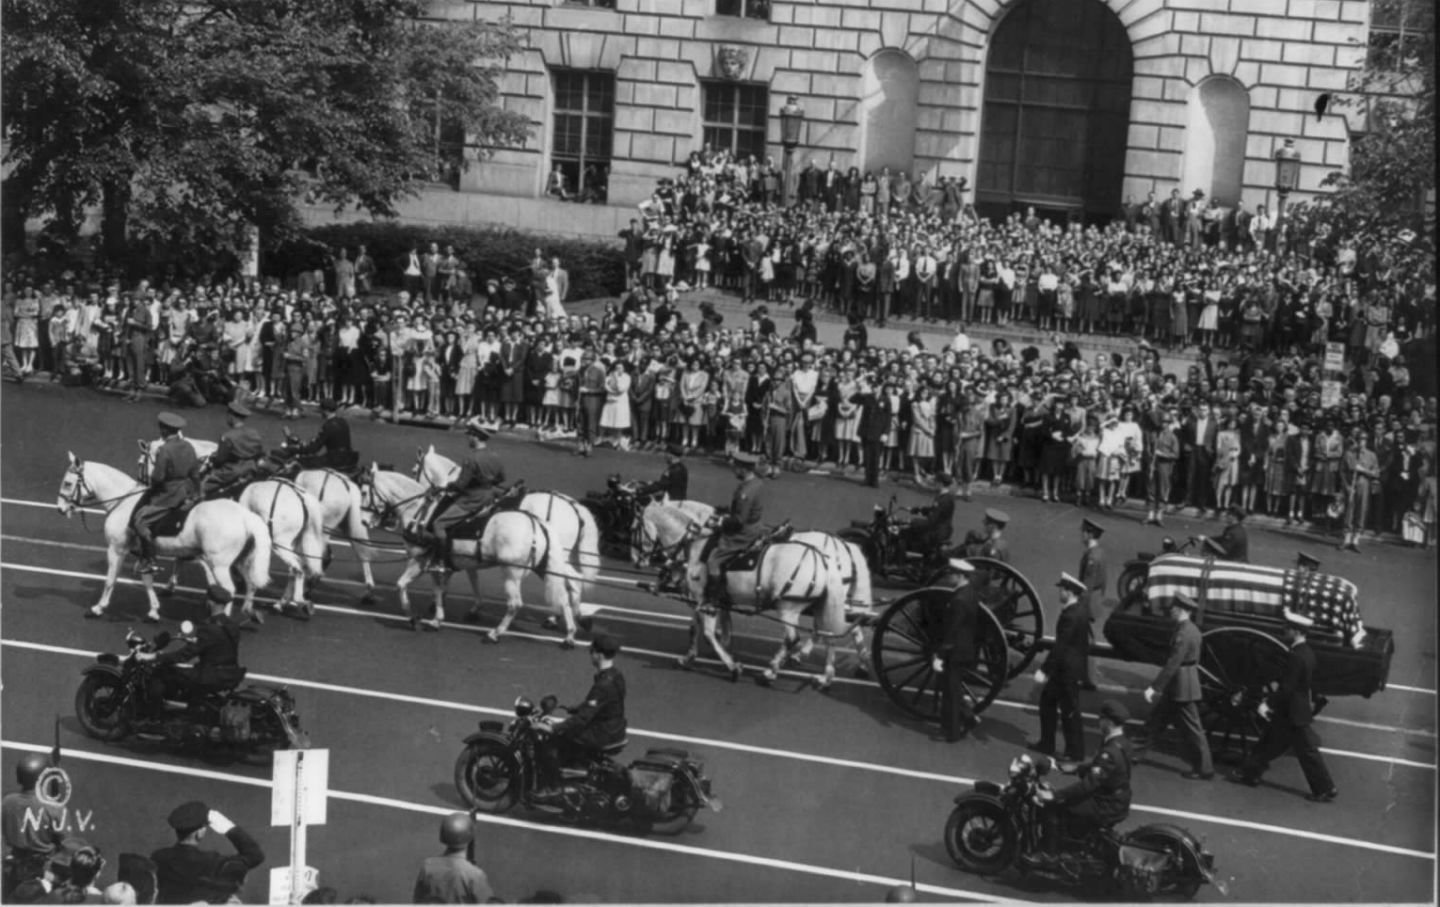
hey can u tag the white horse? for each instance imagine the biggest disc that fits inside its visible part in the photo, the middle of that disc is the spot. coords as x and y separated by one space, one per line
574 535
219 534
292 515
810 571
340 505
515 541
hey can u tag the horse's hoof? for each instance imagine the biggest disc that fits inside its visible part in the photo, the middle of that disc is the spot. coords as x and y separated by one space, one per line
766 678
151 618
735 673
585 623
414 624
94 615
256 616
491 638
862 672
551 623
822 684
567 643
685 662
303 612
432 625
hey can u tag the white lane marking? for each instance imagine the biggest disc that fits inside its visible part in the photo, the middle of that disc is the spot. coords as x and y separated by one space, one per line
565 831
775 753
800 675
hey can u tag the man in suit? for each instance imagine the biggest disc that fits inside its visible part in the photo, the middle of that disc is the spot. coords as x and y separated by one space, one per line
834 181
1175 692
429 269
874 422
1233 544
1064 670
1172 218
1197 445
811 183
1292 719
185 874
957 654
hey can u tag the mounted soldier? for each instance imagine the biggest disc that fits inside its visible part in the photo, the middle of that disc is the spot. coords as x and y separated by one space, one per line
741 528
237 458
474 491
174 483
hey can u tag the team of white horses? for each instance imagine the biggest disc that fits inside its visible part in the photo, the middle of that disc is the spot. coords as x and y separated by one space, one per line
549 534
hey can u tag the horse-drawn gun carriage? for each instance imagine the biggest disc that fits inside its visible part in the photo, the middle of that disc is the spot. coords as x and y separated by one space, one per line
616 510
1240 618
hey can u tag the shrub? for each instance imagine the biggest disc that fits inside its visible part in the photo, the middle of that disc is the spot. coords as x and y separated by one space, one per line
596 268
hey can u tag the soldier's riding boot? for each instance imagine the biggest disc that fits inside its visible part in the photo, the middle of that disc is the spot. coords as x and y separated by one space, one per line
144 551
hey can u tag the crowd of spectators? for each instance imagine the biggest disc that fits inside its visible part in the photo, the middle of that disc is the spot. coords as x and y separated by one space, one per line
1257 422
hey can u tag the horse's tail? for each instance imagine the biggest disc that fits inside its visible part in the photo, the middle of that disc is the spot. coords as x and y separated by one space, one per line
255 558
587 544
312 544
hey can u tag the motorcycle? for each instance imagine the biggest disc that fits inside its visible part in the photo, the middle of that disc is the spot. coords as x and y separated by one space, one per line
992 829
123 696
660 792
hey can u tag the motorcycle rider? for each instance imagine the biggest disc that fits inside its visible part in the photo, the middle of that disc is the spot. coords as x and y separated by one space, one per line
174 481
452 878
739 529
331 447
989 539
215 647
934 523
475 488
237 457
1101 798
597 723
674 483
32 828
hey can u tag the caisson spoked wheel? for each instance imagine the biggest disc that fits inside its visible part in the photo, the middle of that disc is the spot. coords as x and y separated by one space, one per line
1238 665
906 638
1016 605
487 776
1132 581
979 838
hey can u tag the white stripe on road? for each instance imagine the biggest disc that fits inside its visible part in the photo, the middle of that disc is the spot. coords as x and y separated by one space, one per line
776 753
608 609
565 831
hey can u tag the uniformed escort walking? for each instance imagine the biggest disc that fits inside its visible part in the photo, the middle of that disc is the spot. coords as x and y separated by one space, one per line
1175 693
1062 673
957 653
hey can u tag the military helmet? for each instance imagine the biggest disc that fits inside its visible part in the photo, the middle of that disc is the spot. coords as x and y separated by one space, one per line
457 830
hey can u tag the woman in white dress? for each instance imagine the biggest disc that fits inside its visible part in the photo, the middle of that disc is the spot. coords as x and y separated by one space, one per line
232 339
553 308
1210 314
615 417
922 433
467 371
847 418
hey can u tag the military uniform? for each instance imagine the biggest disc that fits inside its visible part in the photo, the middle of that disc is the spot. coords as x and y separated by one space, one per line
174 480
1093 575
1292 725
32 830
1101 798
742 526
235 459
598 722
476 487
1232 545
673 484
1066 668
934 526
451 879
1178 686
958 653
331 447
216 651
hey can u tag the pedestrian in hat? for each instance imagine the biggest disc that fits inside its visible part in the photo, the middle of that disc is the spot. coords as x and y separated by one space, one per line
591 728
174 480
957 653
1101 798
237 456
674 483
1175 693
1291 713
185 874
1065 669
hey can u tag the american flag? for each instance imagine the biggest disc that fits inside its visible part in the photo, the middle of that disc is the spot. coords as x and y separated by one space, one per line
1331 601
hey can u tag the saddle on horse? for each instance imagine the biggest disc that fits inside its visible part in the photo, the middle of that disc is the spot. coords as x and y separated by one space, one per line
468 527
150 522
742 560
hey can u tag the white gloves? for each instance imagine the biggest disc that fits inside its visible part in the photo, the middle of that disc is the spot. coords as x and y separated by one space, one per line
1264 710
938 664
219 823
1040 677
1150 695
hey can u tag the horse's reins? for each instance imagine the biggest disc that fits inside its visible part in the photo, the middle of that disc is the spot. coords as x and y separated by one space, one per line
82 486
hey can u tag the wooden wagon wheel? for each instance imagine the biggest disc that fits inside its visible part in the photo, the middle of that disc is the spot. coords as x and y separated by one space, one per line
1237 667
1013 601
1132 581
906 636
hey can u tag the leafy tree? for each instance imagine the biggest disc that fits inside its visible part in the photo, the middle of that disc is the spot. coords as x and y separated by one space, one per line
190 121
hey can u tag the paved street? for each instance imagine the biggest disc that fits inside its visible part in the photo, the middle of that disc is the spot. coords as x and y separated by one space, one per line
827 797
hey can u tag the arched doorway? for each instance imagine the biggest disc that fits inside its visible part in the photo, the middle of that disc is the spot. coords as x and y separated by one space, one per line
890 85
1057 110
1217 123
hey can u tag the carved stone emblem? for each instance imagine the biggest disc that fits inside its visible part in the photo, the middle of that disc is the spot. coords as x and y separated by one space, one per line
732 61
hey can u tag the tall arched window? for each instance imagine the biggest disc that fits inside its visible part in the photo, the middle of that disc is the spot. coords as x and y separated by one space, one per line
889 90
1217 122
1057 109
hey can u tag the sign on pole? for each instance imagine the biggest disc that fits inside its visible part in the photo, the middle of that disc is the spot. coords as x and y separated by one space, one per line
1329 394
1334 357
298 797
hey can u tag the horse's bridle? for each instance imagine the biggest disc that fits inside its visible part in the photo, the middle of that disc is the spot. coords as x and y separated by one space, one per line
390 509
660 555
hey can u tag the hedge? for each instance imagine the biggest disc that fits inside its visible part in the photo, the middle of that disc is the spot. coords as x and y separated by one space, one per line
596 268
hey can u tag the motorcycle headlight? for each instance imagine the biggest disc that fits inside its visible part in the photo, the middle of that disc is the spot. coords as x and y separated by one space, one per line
524 707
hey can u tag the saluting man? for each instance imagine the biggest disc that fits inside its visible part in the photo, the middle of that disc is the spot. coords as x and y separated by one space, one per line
957 654
1176 694
989 539
174 479
1065 668
238 455
674 483
185 874
1292 719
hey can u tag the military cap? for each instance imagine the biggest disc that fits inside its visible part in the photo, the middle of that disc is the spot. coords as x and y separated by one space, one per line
1091 526
218 595
1069 582
187 817
1185 602
1296 619
474 429
606 645
675 450
961 565
1115 711
1307 560
170 421
999 517
237 409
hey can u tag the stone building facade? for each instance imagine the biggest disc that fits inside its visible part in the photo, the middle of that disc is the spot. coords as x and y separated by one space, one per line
1069 105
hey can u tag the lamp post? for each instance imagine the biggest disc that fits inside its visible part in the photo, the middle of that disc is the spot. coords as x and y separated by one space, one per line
1287 175
792 117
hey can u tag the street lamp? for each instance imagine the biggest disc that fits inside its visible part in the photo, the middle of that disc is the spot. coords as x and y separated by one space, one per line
1287 174
792 117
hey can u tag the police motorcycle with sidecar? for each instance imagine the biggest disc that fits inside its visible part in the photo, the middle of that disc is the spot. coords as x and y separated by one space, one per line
123 696
993 829
660 792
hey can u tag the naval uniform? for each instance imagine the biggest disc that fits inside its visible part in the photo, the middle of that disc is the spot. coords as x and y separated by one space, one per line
1066 667
958 652
1292 725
